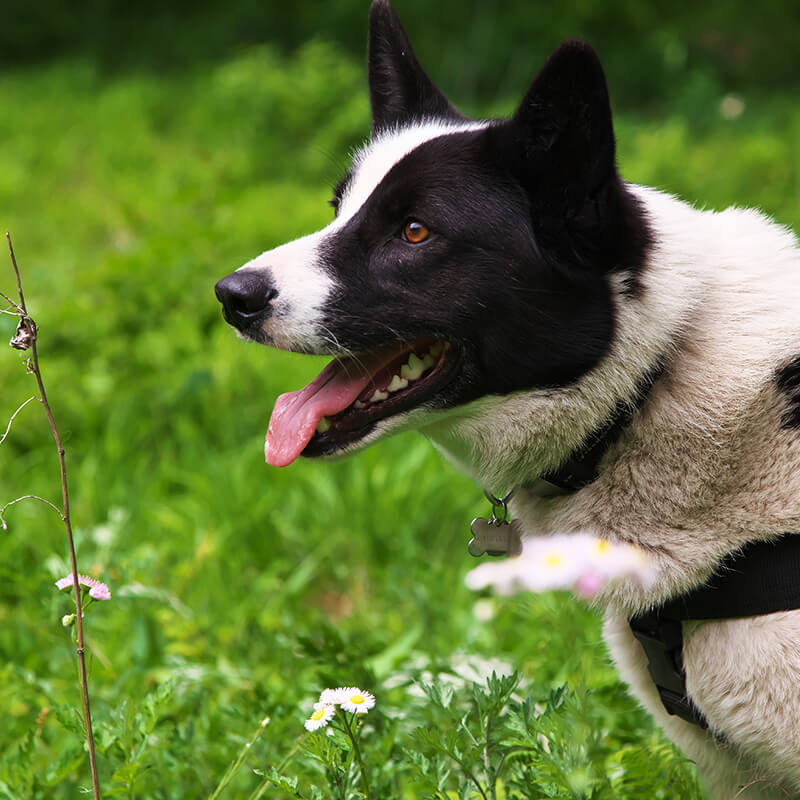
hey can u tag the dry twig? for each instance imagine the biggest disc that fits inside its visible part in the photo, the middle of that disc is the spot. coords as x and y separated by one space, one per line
25 339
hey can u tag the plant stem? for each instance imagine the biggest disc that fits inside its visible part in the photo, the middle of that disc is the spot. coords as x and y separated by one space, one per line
513 751
30 325
27 497
467 771
3 437
234 767
265 784
357 751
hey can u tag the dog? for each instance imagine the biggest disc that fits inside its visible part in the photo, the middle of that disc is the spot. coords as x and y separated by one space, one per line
497 286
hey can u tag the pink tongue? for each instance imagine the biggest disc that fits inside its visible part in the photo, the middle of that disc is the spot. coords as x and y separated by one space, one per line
297 414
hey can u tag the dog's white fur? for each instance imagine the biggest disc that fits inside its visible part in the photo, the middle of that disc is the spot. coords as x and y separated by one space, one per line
302 285
705 467
373 161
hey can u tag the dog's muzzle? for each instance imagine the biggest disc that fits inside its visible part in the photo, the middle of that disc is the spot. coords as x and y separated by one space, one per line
246 297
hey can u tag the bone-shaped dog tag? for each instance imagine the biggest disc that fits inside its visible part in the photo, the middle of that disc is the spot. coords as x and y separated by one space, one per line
494 538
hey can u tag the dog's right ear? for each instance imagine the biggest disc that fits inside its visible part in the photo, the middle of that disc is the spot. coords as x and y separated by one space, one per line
400 91
562 133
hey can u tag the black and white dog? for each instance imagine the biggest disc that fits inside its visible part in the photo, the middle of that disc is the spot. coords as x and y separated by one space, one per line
497 286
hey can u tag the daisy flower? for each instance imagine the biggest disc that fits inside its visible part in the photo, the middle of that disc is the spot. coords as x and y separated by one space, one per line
97 590
356 700
580 562
322 715
331 697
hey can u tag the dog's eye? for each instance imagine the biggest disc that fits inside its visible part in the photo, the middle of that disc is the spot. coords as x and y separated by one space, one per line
334 203
415 232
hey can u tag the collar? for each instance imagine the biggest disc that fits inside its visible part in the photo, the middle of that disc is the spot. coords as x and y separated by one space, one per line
581 467
761 578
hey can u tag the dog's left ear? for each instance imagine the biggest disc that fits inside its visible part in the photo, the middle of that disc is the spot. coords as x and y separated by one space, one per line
561 136
400 91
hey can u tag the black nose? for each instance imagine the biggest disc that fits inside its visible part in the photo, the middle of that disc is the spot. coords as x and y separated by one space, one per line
246 296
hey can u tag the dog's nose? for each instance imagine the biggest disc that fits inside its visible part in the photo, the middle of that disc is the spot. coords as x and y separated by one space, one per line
246 296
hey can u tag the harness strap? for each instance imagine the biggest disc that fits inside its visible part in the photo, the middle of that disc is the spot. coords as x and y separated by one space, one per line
760 578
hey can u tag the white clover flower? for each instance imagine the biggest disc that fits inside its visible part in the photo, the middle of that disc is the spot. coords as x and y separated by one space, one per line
357 701
580 562
320 718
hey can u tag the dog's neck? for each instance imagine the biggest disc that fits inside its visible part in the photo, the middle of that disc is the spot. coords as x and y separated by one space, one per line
504 442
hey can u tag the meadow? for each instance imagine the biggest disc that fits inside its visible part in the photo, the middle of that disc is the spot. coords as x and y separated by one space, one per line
239 591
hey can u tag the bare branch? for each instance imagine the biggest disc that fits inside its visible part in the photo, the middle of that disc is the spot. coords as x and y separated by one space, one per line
17 308
26 339
27 497
3 437
16 272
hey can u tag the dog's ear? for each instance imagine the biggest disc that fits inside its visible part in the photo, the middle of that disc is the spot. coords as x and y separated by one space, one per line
560 146
400 91
562 135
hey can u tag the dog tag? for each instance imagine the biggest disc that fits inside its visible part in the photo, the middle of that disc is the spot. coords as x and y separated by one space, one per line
495 538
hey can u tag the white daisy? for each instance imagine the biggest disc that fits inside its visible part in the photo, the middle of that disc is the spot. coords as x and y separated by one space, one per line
320 718
332 697
357 701
580 561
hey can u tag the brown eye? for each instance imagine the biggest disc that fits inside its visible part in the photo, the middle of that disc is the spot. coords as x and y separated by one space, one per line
415 232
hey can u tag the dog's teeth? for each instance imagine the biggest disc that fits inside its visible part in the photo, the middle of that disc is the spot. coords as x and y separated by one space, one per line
323 425
436 349
397 384
428 361
378 396
359 404
407 373
413 369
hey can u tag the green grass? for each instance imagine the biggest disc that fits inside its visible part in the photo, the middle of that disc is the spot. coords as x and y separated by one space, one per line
240 590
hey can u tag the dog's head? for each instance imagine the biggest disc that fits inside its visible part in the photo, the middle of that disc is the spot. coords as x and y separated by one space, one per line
466 259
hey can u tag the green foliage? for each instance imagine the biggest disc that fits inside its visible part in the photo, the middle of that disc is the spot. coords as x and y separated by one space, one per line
500 738
507 739
656 52
238 590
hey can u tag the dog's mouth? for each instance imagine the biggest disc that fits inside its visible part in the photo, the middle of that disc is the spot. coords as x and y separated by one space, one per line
343 403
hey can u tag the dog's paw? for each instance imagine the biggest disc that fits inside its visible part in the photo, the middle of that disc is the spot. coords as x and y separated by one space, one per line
580 562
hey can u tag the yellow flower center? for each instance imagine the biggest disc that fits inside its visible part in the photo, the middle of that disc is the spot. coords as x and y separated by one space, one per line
553 560
357 699
318 715
603 547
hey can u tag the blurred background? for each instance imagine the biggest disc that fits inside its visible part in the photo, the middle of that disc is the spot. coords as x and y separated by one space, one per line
146 150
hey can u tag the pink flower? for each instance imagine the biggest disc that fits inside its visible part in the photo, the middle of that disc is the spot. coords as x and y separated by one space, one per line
97 590
100 592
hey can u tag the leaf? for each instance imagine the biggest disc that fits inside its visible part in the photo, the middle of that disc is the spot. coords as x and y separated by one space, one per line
439 694
71 718
282 782
66 764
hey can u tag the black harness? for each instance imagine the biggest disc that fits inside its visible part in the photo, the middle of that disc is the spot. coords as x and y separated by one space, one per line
760 578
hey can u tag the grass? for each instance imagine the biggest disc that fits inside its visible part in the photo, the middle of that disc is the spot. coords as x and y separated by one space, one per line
241 591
